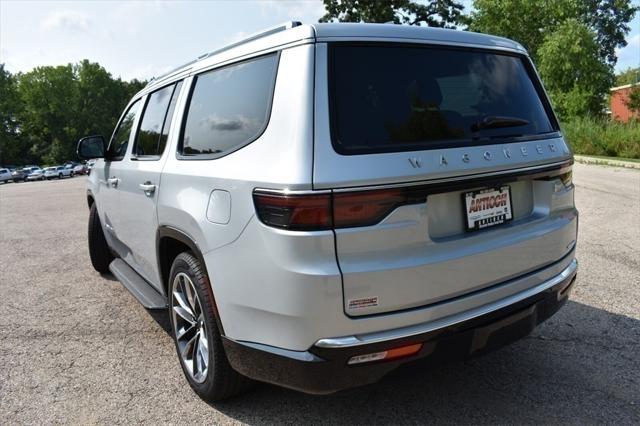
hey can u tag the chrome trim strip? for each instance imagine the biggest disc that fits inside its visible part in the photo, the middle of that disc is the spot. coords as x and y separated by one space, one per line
413 330
286 191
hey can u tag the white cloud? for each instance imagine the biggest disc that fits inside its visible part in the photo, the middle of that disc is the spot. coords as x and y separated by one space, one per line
629 56
66 20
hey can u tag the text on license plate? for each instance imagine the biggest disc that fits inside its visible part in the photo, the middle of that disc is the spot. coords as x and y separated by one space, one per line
488 207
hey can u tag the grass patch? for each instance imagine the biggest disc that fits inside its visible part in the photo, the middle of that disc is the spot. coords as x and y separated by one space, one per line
603 137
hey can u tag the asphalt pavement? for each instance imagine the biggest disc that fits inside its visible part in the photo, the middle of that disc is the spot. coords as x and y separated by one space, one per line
75 347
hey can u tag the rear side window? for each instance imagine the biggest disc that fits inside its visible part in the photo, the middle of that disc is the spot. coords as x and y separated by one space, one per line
156 121
229 108
120 139
398 98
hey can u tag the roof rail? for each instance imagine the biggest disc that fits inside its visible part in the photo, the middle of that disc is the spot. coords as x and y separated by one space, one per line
272 30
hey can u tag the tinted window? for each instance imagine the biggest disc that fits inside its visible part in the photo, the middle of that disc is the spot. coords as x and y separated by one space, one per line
393 98
156 121
229 107
120 139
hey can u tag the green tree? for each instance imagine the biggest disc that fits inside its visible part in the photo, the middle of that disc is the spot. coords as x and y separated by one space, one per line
628 76
528 21
633 101
434 13
61 104
572 71
49 96
12 148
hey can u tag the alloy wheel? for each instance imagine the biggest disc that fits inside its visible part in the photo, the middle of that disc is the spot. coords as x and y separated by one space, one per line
189 327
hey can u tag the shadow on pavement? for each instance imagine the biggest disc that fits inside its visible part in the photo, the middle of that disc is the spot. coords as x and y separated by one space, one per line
582 365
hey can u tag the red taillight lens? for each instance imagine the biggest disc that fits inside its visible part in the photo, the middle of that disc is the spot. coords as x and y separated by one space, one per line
324 211
366 207
294 212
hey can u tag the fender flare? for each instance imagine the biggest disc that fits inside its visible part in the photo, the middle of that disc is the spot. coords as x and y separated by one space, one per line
176 234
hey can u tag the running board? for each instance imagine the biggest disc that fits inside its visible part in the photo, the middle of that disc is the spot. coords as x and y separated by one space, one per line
137 286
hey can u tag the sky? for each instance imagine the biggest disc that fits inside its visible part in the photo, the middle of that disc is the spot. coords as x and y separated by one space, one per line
140 39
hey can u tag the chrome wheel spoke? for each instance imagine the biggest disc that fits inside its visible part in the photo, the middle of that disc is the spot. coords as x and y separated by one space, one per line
190 293
184 305
190 327
184 314
185 332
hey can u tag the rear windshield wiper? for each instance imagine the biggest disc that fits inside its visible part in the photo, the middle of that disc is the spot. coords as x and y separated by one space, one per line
495 122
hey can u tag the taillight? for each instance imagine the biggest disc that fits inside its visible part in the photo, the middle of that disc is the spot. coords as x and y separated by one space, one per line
300 212
325 211
366 207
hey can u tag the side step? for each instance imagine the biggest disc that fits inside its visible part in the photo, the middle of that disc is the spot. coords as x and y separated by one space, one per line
141 290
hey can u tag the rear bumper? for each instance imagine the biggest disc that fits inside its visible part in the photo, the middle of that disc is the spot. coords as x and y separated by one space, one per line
323 368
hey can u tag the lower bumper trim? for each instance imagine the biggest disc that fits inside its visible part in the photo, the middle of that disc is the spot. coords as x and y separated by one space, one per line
325 369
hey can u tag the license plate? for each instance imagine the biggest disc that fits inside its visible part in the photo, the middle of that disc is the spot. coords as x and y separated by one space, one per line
488 207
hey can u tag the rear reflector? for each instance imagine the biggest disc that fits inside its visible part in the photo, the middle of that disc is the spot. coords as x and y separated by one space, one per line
395 353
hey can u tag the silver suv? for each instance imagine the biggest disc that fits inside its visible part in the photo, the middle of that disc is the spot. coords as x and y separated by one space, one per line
319 204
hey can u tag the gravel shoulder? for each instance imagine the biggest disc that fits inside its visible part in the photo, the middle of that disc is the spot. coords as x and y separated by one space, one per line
75 347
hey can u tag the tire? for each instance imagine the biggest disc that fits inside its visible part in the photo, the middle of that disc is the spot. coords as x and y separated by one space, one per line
60 176
99 251
217 380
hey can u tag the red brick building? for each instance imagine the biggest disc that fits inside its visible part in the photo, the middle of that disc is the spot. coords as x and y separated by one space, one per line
619 96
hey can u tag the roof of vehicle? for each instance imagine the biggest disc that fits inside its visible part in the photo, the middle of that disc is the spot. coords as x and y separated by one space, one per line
293 33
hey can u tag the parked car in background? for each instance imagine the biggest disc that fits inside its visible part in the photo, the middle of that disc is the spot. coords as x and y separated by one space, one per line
426 209
35 174
57 172
19 175
5 175
80 169
90 165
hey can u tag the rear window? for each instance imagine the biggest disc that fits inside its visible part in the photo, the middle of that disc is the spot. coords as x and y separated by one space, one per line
229 108
399 98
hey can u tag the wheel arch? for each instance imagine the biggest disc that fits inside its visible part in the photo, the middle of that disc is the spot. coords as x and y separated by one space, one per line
170 242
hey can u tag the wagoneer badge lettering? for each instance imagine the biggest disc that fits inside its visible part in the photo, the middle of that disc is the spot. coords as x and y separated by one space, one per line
487 155
443 160
416 162
506 152
465 158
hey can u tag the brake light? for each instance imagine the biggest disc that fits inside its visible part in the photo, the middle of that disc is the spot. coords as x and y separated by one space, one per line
365 208
325 211
294 212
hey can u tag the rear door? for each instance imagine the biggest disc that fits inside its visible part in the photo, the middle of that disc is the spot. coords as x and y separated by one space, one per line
445 165
140 181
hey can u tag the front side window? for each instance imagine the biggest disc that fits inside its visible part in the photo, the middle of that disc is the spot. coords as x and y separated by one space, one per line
229 107
120 139
398 98
156 121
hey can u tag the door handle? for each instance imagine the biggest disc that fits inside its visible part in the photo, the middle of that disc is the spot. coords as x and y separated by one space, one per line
113 181
148 187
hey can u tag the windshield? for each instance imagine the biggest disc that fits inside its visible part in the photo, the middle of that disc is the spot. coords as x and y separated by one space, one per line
398 98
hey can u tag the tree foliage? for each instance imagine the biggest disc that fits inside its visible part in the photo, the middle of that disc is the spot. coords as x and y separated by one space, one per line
46 110
10 107
573 73
572 41
628 76
434 13
633 100
529 21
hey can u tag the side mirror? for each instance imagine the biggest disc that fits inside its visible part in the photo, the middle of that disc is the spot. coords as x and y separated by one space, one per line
91 147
